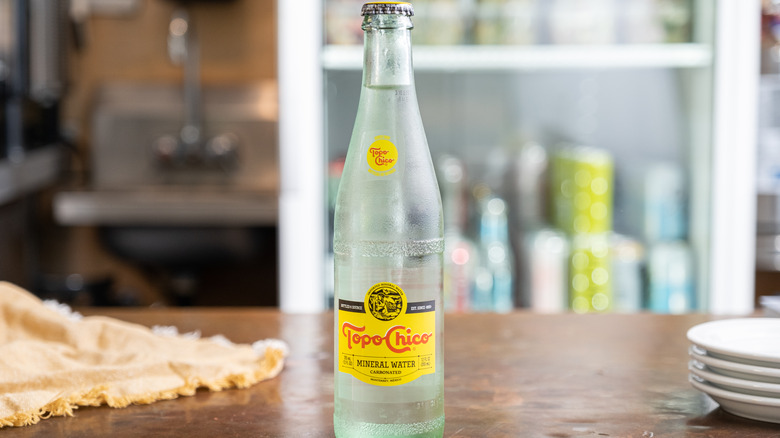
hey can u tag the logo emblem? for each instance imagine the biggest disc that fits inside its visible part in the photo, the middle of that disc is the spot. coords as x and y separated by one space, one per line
385 301
382 156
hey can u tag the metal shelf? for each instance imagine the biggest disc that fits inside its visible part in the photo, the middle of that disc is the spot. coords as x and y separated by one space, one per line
166 206
518 58
36 170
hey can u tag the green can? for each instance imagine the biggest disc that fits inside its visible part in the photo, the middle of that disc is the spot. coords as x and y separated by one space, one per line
582 193
590 274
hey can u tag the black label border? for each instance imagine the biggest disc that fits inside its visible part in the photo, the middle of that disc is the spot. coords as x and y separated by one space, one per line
352 306
421 306
416 307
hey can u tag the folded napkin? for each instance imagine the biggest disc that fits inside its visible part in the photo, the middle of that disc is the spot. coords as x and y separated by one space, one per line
52 362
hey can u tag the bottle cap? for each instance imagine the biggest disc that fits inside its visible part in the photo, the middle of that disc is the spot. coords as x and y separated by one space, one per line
399 8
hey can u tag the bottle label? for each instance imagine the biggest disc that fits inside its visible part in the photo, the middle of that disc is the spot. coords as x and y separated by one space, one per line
382 155
385 340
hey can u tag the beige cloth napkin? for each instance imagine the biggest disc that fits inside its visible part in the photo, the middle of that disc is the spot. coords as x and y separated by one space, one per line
53 362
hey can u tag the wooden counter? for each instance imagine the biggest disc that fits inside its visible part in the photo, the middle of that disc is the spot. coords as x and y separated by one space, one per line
517 375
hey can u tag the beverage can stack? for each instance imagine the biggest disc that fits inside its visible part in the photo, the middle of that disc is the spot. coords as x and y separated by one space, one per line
582 207
670 260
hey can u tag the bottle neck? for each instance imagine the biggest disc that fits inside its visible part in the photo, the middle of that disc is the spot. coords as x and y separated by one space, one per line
387 55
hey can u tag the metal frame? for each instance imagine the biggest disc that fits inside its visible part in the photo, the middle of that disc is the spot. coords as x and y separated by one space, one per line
301 156
734 136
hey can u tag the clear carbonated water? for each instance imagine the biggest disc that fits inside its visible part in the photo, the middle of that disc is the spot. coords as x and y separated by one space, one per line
414 409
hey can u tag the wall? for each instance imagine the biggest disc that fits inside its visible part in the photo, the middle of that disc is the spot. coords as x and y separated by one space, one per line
238 45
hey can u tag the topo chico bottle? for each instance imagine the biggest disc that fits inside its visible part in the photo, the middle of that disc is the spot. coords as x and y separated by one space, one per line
388 245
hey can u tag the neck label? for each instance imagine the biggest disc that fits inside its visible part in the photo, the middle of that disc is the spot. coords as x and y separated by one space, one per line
382 156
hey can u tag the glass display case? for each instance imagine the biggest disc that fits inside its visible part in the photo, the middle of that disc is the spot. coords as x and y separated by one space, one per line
608 147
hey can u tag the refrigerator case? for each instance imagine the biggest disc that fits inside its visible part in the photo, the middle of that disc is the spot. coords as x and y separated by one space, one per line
662 81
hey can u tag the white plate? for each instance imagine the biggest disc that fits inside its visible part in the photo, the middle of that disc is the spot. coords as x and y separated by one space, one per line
733 384
744 340
734 369
748 406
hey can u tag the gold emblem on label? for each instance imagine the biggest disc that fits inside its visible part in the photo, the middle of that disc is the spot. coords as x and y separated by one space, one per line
385 301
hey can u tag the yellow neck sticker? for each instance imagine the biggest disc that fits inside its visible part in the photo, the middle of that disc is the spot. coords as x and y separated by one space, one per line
382 156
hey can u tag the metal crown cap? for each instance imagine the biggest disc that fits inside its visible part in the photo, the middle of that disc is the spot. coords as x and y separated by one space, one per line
399 8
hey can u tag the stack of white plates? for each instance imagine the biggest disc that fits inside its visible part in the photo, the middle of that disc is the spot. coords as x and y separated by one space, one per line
737 363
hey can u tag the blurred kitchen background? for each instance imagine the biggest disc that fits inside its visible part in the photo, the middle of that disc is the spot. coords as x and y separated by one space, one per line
593 155
140 147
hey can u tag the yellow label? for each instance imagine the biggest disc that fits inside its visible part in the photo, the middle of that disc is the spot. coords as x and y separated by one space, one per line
385 340
382 156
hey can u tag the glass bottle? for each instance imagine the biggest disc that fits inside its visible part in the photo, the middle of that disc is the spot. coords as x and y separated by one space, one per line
460 254
388 245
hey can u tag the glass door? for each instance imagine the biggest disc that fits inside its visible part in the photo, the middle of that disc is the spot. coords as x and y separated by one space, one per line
581 147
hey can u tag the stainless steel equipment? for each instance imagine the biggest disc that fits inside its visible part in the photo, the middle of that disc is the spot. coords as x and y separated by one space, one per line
141 140
184 178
